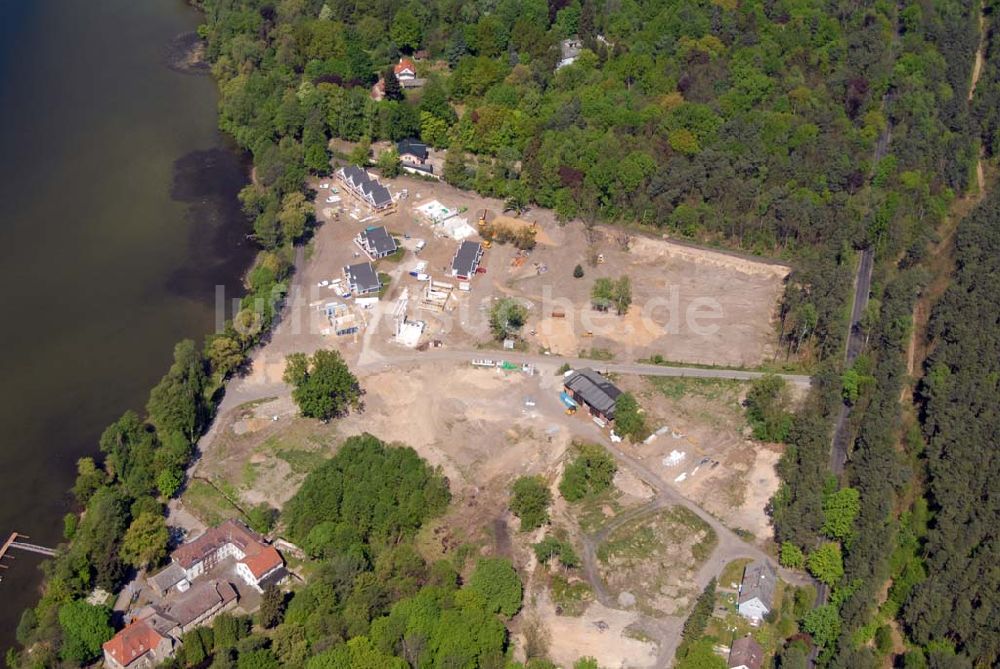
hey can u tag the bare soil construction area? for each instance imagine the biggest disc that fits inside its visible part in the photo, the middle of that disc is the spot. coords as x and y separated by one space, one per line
485 427
704 448
650 562
689 304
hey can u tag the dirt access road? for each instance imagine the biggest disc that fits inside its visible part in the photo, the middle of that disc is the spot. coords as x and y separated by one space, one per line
667 630
240 391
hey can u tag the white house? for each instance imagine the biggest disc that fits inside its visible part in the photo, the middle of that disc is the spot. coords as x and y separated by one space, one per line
757 591
405 70
256 561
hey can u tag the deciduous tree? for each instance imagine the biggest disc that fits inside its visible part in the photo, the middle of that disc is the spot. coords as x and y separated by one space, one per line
324 387
84 628
530 499
145 542
499 585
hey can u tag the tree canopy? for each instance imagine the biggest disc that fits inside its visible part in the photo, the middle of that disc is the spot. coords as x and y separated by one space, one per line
368 493
323 386
590 472
530 499
85 628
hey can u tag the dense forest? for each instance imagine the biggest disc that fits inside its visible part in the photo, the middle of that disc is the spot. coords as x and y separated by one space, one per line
750 124
805 129
955 610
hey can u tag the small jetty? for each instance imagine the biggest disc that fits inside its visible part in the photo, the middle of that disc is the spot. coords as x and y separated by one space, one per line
13 543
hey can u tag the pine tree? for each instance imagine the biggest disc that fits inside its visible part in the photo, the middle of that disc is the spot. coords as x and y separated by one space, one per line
272 607
393 90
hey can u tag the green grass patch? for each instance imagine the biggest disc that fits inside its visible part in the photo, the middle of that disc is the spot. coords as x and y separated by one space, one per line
590 512
396 255
597 354
301 462
678 387
207 503
572 597
703 549
643 537
385 280
250 475
635 544
733 572
788 367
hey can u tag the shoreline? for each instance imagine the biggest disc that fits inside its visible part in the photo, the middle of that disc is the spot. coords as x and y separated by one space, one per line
183 54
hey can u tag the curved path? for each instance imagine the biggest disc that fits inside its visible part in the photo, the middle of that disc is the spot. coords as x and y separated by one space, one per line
730 546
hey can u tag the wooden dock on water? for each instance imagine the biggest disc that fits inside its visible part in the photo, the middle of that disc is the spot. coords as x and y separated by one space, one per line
13 543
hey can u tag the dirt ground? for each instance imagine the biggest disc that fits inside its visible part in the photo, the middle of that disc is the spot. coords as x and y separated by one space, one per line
601 633
478 426
723 470
649 562
689 304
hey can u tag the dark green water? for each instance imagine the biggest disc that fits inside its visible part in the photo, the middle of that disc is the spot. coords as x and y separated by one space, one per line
118 218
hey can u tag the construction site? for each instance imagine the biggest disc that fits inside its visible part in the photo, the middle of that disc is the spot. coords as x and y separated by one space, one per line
487 412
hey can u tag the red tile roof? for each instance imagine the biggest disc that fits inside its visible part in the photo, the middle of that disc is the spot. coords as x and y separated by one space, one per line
263 561
259 556
133 642
404 64
229 532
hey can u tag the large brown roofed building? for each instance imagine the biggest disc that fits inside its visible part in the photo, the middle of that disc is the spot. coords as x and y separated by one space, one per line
256 561
137 646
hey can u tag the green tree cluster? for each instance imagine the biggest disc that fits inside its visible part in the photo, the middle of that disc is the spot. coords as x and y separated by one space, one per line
323 386
369 493
530 499
767 406
552 547
590 472
610 293
629 419
507 317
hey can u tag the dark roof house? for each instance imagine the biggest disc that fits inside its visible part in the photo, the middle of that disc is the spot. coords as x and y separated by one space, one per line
362 278
746 654
587 386
359 182
376 242
757 590
466 260
414 149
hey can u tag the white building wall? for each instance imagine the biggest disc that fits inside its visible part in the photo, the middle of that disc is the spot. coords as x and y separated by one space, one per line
753 609
247 576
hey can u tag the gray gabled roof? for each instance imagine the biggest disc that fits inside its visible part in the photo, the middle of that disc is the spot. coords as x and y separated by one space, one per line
355 174
370 187
746 652
168 577
594 389
363 277
467 258
380 194
378 240
759 580
412 147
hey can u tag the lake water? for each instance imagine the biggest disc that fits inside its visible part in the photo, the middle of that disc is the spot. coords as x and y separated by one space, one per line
118 218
